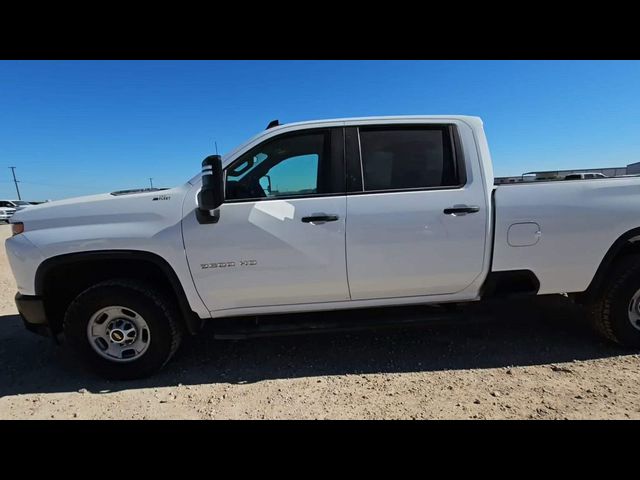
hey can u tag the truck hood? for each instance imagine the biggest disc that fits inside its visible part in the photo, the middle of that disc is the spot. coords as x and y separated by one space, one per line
105 208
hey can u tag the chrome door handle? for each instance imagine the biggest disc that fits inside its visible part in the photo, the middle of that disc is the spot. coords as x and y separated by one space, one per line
460 210
320 218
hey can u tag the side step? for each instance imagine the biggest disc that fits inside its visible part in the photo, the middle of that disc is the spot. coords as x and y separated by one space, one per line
239 328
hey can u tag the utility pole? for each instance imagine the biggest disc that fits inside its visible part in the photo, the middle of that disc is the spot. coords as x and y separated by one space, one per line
151 181
13 170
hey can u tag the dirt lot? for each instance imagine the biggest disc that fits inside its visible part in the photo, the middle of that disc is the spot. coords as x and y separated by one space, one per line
533 359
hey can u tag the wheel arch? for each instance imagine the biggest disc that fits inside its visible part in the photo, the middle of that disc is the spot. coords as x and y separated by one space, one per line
81 269
627 243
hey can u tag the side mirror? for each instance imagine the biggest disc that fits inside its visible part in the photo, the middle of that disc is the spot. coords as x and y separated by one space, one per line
211 195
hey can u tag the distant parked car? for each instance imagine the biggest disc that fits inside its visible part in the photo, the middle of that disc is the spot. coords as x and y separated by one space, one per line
7 209
17 204
584 176
20 204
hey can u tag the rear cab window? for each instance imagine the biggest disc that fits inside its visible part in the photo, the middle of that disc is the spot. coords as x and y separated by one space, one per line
406 157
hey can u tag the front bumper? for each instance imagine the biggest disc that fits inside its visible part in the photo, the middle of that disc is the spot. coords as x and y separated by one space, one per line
31 310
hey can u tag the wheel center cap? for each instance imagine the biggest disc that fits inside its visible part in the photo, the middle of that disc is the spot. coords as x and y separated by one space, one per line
117 335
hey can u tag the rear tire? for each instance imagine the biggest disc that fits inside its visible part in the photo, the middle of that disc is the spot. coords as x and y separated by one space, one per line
615 314
124 329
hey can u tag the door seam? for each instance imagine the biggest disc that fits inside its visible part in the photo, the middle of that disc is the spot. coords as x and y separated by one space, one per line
346 257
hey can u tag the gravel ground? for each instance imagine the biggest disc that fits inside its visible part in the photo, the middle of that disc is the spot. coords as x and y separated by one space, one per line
526 359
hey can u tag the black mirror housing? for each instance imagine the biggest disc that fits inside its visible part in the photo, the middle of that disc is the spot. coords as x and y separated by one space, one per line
211 195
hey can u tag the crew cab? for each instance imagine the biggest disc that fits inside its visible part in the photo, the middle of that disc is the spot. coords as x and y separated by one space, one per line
318 216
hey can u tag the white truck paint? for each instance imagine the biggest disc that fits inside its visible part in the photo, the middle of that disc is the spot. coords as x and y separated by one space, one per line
103 222
578 222
389 247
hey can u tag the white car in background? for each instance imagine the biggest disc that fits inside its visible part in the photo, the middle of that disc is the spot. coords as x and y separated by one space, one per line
7 209
19 204
584 176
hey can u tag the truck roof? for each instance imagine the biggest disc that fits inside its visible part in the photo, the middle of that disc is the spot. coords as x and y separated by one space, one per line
469 118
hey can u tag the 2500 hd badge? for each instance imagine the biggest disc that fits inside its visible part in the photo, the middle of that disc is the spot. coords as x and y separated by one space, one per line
243 263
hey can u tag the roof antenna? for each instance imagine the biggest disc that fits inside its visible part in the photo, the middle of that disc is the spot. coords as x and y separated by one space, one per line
273 123
216 144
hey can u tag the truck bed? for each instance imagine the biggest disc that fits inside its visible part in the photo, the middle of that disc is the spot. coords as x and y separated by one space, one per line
561 230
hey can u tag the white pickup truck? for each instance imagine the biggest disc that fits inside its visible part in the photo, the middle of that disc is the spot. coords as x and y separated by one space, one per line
321 215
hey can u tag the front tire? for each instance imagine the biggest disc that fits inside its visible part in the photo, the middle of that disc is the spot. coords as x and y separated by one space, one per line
124 329
616 312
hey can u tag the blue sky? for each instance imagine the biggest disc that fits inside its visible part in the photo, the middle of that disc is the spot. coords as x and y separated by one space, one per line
80 127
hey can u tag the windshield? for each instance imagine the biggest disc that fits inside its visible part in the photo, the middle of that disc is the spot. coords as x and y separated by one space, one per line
21 202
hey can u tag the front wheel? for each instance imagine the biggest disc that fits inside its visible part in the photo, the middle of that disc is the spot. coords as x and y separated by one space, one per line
616 312
124 329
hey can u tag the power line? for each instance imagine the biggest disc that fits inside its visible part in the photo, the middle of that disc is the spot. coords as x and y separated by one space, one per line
60 185
65 185
13 171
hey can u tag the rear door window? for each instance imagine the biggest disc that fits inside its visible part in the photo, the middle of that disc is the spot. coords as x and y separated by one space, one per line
408 157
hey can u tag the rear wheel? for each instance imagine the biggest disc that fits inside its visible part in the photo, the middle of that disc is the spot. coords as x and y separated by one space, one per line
124 329
616 312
